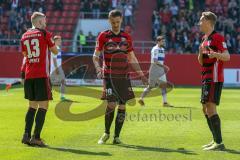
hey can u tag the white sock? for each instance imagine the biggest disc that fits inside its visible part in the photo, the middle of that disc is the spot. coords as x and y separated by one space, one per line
164 95
145 92
62 89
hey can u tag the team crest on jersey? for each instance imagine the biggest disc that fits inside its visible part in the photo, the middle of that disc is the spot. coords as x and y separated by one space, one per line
123 39
110 40
224 45
209 42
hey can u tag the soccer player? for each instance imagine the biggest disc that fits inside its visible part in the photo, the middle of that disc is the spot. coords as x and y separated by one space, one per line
212 53
57 73
157 74
35 43
116 46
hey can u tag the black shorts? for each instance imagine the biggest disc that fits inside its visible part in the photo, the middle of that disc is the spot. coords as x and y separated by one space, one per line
211 92
38 89
117 90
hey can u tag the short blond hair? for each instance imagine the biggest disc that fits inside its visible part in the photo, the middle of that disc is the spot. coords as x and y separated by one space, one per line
57 37
36 16
210 16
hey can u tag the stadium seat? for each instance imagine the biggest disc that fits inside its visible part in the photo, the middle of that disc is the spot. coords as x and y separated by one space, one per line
48 14
60 27
57 14
73 14
62 20
67 7
52 20
67 1
64 14
67 35
50 7
51 27
68 27
76 1
75 8
70 21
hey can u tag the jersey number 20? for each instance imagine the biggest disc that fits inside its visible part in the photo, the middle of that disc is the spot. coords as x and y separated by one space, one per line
35 46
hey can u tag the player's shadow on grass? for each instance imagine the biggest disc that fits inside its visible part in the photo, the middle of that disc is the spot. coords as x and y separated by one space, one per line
157 149
185 107
232 151
77 151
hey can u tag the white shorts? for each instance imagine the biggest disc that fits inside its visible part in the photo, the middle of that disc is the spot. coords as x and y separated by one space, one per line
56 79
157 75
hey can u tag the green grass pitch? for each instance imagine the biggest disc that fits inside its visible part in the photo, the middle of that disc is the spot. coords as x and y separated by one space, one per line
146 134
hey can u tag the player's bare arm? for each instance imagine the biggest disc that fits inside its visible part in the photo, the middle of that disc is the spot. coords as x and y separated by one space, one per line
54 50
225 56
96 55
134 62
55 65
200 55
24 54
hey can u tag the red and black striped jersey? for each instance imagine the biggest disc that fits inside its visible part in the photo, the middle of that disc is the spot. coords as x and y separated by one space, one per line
35 43
212 69
115 49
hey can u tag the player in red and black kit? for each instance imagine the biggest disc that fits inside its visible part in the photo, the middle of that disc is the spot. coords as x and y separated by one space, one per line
212 53
35 45
117 50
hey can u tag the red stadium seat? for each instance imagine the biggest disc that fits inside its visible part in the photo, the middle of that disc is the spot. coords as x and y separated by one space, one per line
48 14
60 27
76 1
68 28
49 7
64 14
65 49
67 35
75 8
52 20
51 27
67 1
57 14
67 7
62 20
73 14
70 21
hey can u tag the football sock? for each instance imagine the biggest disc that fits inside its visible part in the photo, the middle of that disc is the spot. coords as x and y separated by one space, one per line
210 127
62 90
109 115
164 95
216 125
39 120
119 122
145 92
29 119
